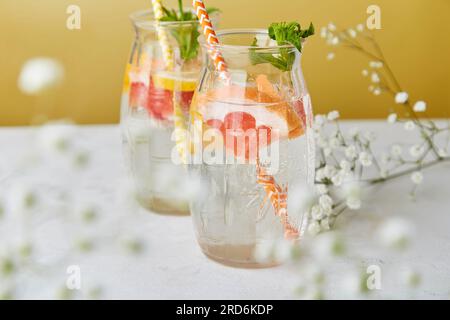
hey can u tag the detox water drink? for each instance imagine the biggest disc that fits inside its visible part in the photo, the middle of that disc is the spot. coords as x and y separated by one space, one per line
267 112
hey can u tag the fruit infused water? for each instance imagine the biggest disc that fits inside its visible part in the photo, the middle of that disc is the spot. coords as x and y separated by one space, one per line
160 81
261 153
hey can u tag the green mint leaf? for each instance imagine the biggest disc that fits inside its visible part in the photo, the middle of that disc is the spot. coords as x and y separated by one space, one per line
283 33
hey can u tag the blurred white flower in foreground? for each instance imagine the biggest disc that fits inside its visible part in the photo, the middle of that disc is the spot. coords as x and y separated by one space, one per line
22 198
396 233
40 74
56 136
328 245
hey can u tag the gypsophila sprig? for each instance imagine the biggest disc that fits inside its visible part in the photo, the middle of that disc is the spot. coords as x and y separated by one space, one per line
346 163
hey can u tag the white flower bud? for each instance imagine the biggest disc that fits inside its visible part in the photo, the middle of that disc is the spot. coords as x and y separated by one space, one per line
417 177
392 118
401 97
317 212
314 228
420 106
333 115
365 159
409 126
351 152
416 151
353 203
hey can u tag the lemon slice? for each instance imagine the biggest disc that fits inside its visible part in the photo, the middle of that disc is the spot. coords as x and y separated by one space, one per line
171 82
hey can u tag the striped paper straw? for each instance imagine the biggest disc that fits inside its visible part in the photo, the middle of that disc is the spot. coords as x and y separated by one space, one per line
273 191
210 34
162 35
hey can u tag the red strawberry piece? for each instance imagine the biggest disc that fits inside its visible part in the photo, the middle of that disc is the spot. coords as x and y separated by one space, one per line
159 102
186 99
217 124
239 120
138 95
236 125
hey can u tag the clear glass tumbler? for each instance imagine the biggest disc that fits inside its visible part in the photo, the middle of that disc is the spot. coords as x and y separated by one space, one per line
160 80
255 148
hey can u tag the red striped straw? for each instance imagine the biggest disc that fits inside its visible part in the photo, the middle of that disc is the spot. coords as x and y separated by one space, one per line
210 35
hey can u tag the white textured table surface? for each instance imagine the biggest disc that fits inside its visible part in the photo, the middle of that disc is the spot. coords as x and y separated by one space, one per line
172 265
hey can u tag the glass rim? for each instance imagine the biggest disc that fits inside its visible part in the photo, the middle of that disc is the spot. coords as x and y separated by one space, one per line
240 31
140 19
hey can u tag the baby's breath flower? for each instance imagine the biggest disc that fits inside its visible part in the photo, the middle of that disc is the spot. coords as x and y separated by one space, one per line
377 91
411 278
337 179
317 212
365 159
352 33
401 97
376 64
327 151
334 41
375 78
39 75
329 171
365 73
331 27
314 228
333 115
325 224
442 152
353 203
409 126
331 56
360 27
417 177
321 189
326 202
319 120
351 152
420 106
323 32
395 233
416 151
392 118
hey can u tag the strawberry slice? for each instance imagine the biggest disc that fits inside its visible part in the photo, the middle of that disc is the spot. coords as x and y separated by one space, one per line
239 120
138 95
217 124
159 102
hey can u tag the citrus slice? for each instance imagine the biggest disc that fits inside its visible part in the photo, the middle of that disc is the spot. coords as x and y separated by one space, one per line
260 102
171 82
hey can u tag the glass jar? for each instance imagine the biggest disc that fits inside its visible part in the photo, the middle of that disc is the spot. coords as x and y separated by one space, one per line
160 80
256 149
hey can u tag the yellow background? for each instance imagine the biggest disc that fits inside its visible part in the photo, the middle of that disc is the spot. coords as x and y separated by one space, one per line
415 37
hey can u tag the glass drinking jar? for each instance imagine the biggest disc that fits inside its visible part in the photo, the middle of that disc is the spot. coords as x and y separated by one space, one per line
255 150
160 80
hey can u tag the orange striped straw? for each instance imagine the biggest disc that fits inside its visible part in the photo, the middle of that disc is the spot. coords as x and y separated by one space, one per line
274 192
210 34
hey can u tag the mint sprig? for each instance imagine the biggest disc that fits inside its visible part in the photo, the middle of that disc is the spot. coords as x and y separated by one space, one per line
283 33
185 35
